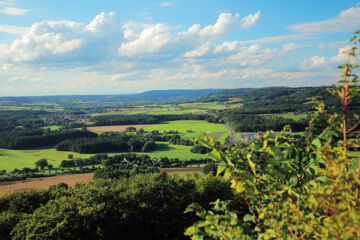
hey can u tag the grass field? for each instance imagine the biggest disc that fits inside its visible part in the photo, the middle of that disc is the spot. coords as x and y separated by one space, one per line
53 127
164 149
218 131
11 159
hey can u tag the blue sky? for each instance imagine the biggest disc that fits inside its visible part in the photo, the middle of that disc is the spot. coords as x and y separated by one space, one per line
116 47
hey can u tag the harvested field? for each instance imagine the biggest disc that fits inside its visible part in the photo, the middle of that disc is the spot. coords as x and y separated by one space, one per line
193 169
43 183
115 128
182 171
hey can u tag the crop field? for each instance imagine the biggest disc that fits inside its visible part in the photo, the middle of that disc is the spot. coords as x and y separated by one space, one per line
190 129
114 128
185 108
43 183
182 171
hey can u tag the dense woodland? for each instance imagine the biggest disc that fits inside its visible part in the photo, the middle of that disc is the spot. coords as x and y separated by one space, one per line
123 143
130 208
141 119
240 122
29 119
23 139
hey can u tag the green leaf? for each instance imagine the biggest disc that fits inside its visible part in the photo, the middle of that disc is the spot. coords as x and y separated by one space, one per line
240 187
316 142
220 169
252 166
248 217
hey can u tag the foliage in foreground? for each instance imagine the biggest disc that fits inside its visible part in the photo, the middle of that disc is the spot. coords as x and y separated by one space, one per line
143 206
305 189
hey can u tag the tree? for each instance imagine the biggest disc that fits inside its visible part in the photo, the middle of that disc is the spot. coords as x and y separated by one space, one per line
210 168
42 163
130 129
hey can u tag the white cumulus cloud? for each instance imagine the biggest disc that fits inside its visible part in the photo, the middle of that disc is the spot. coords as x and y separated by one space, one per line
53 40
14 11
14 29
250 20
314 62
347 20
151 38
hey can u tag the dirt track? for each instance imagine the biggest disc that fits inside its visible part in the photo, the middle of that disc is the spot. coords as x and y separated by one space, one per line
43 183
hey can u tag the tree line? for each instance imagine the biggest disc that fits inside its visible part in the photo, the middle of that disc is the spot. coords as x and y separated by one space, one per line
252 123
23 139
141 119
120 143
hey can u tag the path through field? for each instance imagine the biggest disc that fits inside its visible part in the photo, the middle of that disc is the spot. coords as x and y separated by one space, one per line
43 183
232 138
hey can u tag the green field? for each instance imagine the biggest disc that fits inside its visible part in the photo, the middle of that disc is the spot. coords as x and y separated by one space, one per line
164 149
10 159
53 127
294 117
217 131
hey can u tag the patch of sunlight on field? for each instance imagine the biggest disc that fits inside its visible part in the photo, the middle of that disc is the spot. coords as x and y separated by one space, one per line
53 127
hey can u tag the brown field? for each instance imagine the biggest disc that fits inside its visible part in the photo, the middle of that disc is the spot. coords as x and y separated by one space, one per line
193 169
115 128
234 98
43 183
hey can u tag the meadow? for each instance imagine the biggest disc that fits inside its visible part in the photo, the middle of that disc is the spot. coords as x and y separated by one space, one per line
11 159
164 149
190 129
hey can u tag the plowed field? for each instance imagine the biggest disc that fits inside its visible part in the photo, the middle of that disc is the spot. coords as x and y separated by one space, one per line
42 183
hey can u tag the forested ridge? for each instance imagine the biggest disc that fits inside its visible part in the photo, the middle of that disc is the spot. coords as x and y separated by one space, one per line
23 139
142 119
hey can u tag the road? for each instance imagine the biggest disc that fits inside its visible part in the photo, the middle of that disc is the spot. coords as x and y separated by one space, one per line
232 138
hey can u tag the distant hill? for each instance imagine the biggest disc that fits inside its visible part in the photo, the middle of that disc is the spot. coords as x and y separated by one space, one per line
154 95
162 94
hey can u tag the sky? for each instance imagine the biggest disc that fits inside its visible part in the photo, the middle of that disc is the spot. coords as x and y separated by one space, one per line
63 47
